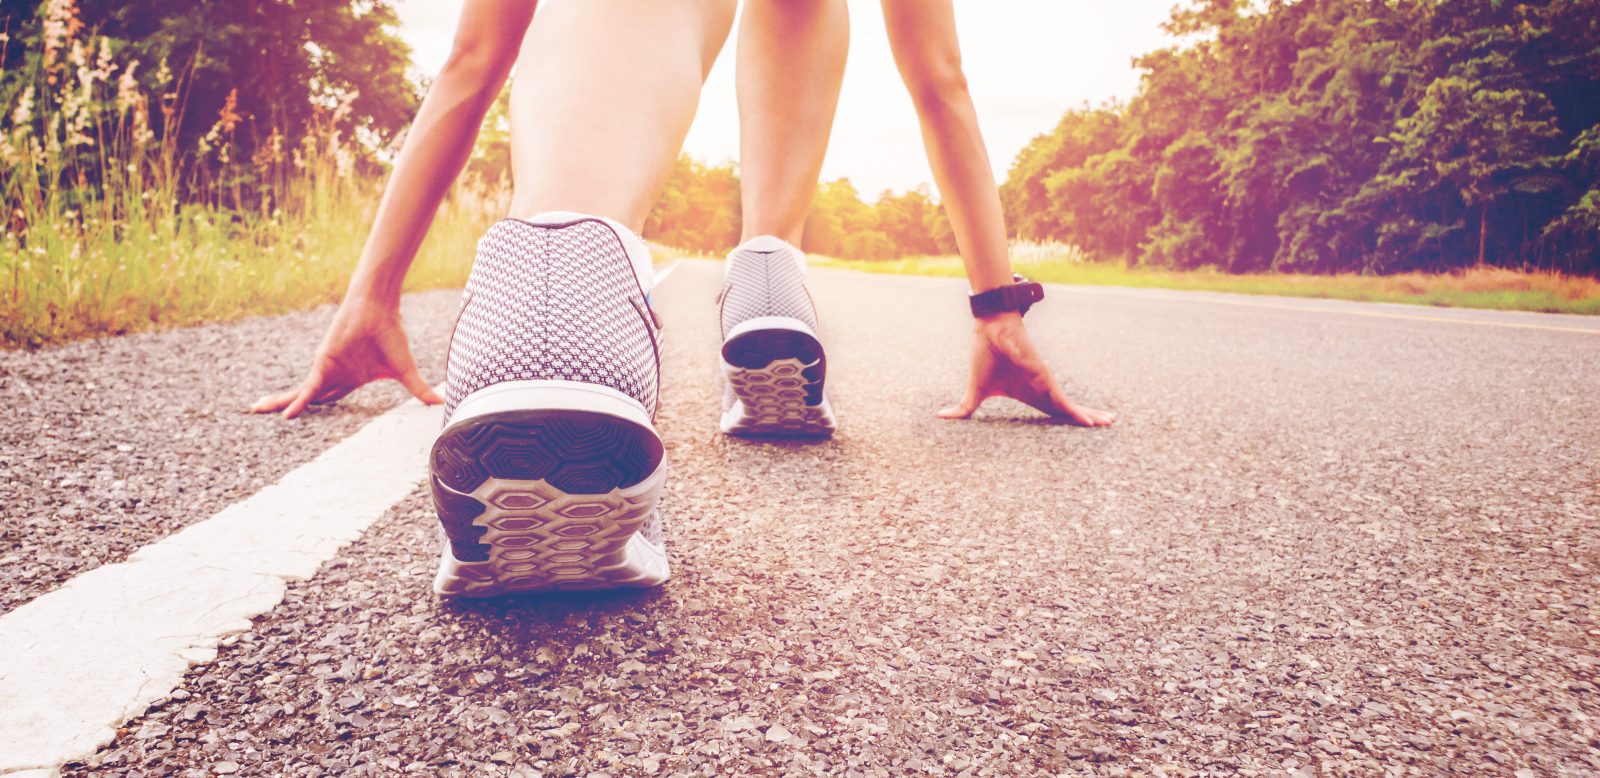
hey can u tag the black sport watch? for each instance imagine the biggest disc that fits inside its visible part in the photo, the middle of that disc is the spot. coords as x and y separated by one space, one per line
1019 297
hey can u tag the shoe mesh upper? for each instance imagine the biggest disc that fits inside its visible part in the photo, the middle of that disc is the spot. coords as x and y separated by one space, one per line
766 283
553 303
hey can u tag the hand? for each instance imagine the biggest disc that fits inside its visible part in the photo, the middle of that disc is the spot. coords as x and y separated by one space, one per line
365 343
1005 363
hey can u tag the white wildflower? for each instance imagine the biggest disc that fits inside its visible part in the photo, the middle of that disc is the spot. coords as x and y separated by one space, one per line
346 104
103 62
24 111
52 137
128 88
142 134
59 21
344 162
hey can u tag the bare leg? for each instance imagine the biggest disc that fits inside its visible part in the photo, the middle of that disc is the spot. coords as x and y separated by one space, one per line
603 96
791 63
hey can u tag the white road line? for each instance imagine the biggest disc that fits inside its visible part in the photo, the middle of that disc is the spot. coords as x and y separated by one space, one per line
661 275
79 661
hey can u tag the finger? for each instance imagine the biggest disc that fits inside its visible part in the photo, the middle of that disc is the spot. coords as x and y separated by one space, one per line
1036 387
272 403
1080 415
1042 403
969 403
962 411
298 404
331 394
308 391
1060 405
419 388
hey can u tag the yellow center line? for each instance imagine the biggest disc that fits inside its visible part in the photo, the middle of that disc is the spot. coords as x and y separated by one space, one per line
1374 314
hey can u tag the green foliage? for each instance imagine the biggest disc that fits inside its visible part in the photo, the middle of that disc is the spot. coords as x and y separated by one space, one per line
1339 135
699 210
248 76
113 221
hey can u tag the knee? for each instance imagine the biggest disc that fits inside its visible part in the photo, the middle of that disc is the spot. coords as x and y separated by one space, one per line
938 84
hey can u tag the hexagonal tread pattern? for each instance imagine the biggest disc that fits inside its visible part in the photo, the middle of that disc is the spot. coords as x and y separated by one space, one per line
777 376
562 542
560 503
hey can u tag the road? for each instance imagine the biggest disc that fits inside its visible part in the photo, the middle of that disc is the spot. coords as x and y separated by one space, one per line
1325 538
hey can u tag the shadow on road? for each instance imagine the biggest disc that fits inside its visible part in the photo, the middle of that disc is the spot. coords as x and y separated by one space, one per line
1030 421
540 612
792 444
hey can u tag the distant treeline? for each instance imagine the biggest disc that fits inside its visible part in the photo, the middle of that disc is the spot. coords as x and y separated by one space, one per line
1317 136
1310 136
1338 135
699 210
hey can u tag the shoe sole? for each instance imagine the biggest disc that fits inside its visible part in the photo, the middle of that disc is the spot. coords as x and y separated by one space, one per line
777 369
544 486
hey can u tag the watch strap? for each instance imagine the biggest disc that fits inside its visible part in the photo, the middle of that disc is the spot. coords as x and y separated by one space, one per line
1019 297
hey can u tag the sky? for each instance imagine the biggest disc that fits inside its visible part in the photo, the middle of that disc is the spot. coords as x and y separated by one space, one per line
1027 62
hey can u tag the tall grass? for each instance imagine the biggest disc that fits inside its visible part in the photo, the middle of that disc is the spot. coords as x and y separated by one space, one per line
110 227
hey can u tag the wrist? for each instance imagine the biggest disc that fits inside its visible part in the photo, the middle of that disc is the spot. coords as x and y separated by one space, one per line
371 291
985 284
990 275
1003 318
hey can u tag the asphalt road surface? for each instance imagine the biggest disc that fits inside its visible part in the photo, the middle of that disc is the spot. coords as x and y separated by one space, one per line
1325 538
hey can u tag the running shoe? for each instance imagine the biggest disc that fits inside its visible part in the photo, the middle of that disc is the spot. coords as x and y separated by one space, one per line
773 362
548 470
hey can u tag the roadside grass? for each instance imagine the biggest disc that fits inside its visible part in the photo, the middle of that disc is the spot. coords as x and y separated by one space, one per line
1481 287
82 276
108 227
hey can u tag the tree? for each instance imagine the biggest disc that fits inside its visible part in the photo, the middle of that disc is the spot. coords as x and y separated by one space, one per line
908 221
1337 135
698 209
282 61
839 222
1469 148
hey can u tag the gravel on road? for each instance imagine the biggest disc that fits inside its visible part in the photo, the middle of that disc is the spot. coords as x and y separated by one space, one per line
1315 544
116 442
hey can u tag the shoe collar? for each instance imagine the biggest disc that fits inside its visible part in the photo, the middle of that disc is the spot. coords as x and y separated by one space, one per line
768 244
638 252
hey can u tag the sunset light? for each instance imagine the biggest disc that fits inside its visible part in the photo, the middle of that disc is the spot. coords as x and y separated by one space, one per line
1027 60
860 388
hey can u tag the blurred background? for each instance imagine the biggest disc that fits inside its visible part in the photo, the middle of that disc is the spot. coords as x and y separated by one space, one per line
170 163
